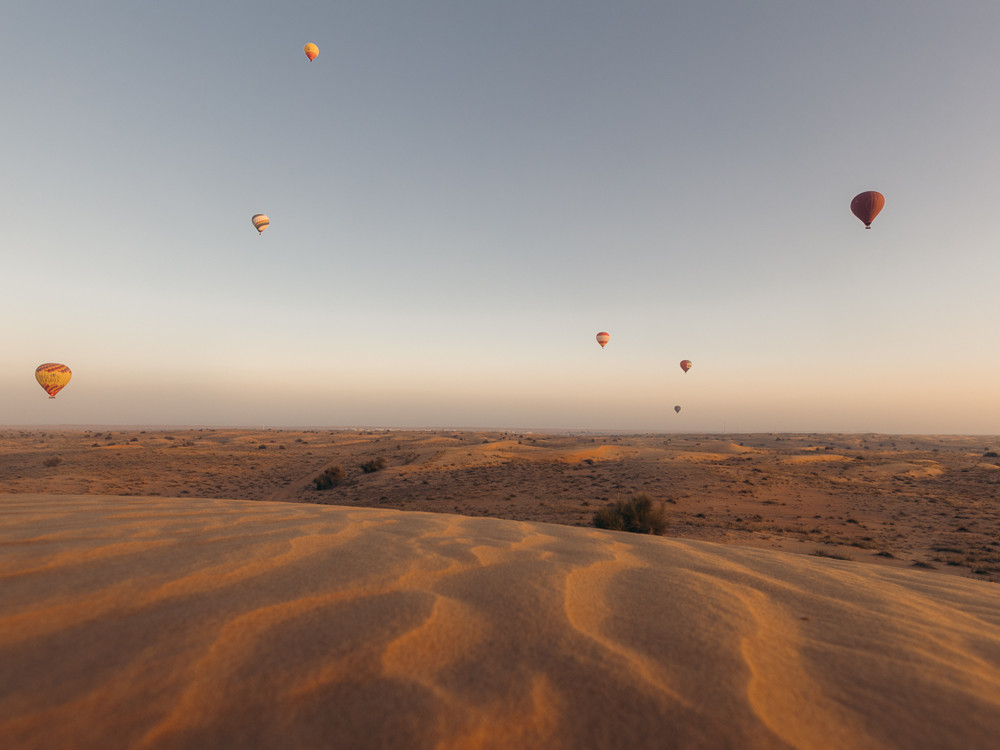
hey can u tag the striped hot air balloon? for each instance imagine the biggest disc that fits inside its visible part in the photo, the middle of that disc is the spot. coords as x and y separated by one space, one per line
603 337
867 205
260 222
53 377
685 364
311 50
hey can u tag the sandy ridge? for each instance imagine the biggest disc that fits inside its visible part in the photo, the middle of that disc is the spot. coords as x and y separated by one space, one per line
194 622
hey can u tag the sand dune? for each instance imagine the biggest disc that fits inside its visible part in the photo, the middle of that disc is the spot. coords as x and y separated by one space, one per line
815 458
170 623
891 500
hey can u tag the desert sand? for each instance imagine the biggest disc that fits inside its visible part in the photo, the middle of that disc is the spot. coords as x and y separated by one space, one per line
898 501
158 622
194 589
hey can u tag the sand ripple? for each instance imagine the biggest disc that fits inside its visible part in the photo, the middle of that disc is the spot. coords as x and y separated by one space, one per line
163 623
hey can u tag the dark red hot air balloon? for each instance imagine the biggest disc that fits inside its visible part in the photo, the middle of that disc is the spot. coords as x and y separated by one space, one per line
867 205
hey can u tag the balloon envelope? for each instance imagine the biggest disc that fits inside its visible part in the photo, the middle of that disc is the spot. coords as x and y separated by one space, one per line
53 377
311 50
260 222
677 409
603 337
685 364
867 205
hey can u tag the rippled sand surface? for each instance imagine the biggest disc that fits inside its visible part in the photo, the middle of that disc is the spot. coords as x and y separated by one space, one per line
194 623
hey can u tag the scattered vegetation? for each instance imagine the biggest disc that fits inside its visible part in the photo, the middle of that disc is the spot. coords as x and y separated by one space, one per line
831 555
374 465
638 514
53 461
333 476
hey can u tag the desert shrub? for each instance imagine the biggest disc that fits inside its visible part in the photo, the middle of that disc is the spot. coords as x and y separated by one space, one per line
638 514
374 465
330 478
53 461
831 555
991 454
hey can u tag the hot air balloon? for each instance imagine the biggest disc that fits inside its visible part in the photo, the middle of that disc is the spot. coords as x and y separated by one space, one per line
685 364
603 337
677 409
311 50
867 205
260 222
52 377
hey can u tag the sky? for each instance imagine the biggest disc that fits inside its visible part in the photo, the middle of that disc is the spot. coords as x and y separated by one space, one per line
462 194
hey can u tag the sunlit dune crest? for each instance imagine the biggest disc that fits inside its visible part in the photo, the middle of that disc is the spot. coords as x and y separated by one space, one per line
815 458
168 623
696 456
921 469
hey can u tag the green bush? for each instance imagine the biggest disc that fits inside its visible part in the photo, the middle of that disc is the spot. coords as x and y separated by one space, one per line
638 514
330 478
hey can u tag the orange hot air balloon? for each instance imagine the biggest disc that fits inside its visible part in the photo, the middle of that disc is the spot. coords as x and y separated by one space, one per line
603 338
685 364
52 377
260 223
677 409
867 205
311 50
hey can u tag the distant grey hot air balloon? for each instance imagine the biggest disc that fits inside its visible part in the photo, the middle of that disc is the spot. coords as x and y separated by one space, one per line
677 409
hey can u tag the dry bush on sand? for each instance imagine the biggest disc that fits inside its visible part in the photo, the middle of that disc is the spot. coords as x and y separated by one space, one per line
330 478
638 514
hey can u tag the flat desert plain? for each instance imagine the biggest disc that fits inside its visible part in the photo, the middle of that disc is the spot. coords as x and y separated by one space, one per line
931 502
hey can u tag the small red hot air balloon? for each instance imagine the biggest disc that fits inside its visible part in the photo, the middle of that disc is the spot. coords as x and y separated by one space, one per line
685 364
603 337
867 205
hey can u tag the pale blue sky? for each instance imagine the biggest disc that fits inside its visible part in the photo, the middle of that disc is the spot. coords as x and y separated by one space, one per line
462 194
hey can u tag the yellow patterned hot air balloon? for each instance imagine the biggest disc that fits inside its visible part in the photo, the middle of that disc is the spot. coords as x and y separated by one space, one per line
311 50
260 222
52 377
